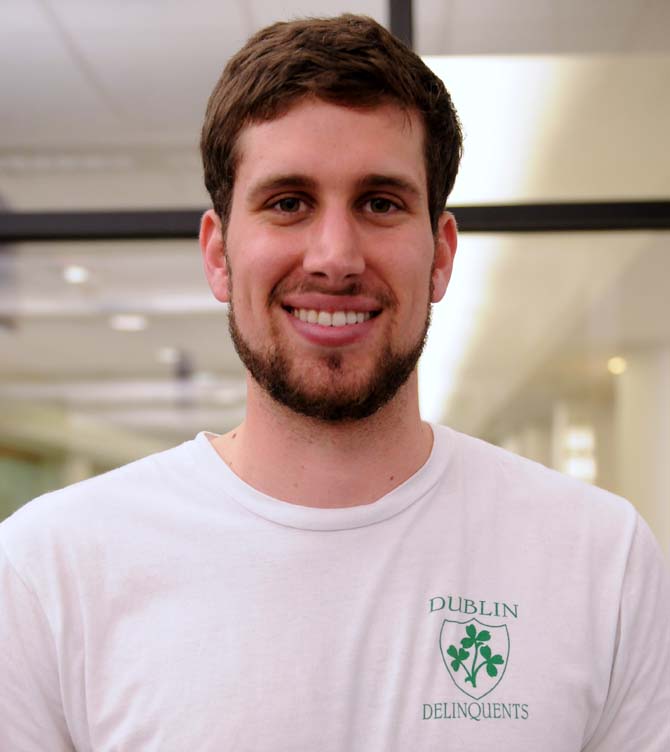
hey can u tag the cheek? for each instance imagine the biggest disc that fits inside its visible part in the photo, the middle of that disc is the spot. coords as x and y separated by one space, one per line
259 268
415 281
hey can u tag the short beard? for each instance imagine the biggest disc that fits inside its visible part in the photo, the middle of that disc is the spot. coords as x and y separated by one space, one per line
272 371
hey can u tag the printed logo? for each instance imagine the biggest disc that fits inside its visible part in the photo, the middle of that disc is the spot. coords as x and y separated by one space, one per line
475 655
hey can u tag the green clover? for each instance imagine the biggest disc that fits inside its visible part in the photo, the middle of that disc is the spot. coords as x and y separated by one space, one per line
491 660
475 639
458 655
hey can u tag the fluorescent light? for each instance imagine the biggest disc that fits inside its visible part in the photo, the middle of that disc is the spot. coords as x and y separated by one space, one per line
168 355
580 439
75 275
617 365
128 322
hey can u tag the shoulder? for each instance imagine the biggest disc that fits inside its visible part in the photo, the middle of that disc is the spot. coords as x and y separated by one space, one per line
549 533
92 509
540 502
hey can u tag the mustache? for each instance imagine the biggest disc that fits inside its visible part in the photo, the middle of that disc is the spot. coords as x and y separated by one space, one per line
385 298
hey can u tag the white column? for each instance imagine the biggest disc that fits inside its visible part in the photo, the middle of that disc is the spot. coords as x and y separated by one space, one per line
642 430
533 440
574 439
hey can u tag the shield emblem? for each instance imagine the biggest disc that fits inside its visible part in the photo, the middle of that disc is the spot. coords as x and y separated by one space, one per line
475 655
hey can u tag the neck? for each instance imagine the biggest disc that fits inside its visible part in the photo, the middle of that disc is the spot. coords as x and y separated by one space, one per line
317 464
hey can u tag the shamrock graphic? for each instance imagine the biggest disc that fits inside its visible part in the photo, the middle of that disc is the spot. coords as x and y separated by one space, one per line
459 656
476 640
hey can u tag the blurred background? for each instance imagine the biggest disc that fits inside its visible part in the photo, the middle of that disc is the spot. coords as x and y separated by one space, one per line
554 344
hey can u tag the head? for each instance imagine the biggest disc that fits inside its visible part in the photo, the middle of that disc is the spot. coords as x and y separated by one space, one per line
285 105
349 60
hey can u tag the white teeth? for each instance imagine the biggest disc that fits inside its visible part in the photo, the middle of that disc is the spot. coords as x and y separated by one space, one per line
325 318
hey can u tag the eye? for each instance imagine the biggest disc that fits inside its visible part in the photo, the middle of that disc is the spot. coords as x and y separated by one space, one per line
288 205
381 205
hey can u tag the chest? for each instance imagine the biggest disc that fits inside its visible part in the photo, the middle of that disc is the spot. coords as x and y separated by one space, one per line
391 649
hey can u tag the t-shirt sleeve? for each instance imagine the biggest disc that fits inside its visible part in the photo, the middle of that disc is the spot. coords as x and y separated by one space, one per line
31 712
636 715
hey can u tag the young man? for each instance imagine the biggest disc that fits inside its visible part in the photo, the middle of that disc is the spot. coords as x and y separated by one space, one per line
333 574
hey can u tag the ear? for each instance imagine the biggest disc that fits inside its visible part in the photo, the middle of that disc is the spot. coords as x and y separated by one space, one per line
213 254
446 240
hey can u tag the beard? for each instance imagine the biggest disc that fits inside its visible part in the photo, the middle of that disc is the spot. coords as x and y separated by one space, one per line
339 401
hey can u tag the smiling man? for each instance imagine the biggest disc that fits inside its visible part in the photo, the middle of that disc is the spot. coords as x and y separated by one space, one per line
334 574
336 254
329 261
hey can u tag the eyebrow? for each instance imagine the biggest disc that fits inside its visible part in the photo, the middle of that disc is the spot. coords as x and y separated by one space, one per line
389 181
303 182
280 182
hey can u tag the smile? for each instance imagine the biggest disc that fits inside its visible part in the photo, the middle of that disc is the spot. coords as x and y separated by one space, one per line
327 318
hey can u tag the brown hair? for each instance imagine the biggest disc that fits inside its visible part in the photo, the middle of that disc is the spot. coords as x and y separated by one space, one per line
349 60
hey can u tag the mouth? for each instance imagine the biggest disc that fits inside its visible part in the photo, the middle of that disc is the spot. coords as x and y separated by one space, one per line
331 318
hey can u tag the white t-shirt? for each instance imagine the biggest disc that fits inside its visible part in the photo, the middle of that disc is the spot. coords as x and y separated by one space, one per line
485 604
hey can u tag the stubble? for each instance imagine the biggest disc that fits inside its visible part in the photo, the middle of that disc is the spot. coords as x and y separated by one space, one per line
338 400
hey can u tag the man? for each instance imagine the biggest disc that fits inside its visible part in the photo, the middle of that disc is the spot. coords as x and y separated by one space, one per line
334 574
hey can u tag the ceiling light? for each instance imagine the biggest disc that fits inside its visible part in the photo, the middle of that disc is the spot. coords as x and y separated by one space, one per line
583 468
75 275
168 355
580 439
206 378
128 322
617 365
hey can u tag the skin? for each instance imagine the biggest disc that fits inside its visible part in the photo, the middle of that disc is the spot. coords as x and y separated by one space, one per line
308 223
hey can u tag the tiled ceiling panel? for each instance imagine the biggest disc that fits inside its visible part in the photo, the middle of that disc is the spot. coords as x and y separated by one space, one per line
142 53
264 12
492 27
46 97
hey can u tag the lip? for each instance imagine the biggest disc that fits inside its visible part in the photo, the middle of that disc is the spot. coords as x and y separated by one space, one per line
331 336
331 303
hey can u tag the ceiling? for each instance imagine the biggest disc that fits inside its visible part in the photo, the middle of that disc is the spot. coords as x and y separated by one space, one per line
103 102
101 108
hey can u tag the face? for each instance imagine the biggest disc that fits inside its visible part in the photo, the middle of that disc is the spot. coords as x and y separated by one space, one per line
328 259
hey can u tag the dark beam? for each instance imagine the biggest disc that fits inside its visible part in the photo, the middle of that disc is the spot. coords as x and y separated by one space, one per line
566 217
153 224
183 224
401 21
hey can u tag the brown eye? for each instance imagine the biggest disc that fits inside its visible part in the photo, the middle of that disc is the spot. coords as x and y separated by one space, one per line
290 204
380 205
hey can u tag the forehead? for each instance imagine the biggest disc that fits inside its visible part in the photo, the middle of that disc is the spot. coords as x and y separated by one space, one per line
331 142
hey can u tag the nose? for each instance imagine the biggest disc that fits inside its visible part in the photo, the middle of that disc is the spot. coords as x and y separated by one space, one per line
334 248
